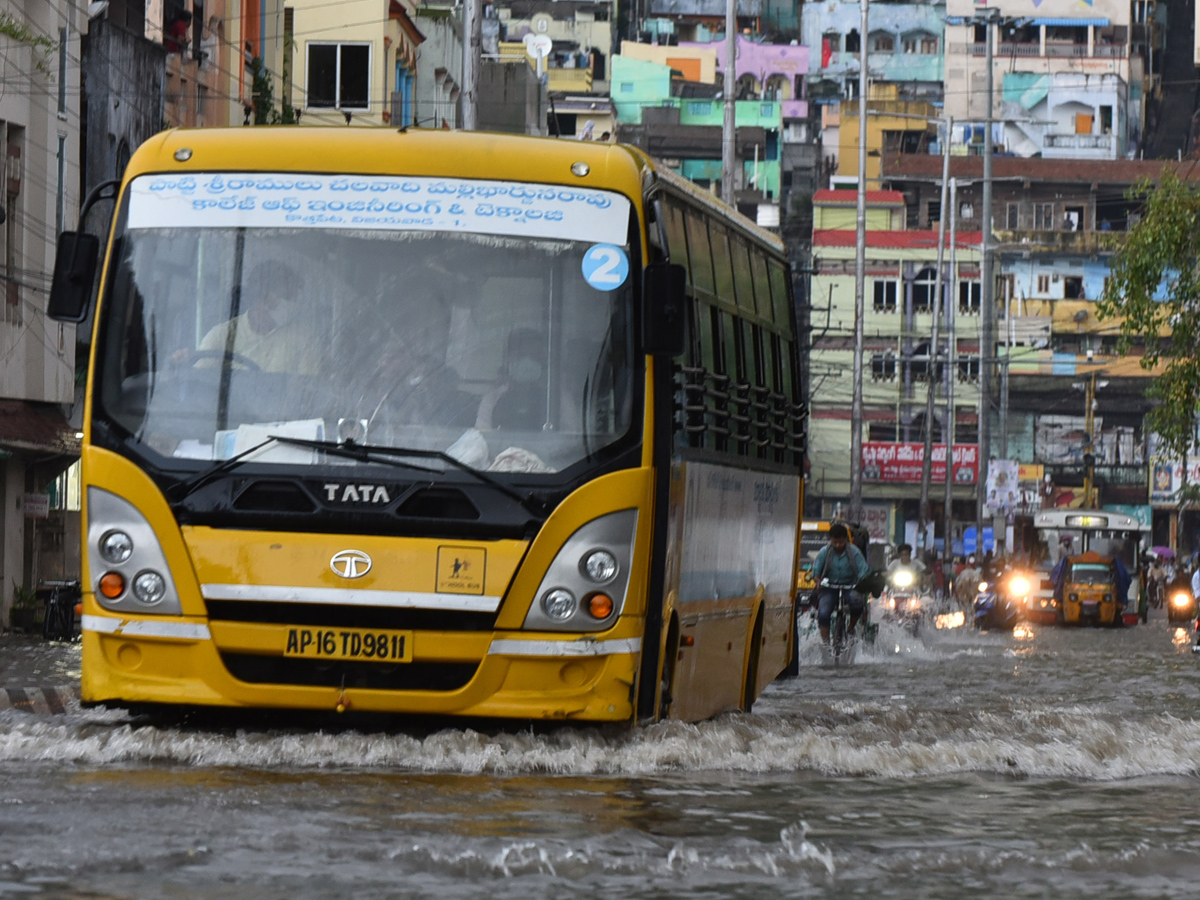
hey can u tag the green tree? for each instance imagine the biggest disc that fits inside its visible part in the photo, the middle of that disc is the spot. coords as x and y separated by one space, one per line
1154 292
263 97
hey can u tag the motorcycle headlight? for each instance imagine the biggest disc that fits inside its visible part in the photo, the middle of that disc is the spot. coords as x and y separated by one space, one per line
1181 600
1019 585
983 586
914 603
902 579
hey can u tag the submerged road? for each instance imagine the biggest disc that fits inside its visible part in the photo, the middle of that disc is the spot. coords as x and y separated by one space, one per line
1046 762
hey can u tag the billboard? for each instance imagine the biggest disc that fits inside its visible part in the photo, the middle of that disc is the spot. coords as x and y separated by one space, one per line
891 462
1166 478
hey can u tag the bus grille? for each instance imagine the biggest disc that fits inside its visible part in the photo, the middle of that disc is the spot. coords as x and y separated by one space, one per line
335 616
416 676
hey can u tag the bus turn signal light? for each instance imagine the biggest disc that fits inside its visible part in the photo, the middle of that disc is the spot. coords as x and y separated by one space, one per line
112 585
600 606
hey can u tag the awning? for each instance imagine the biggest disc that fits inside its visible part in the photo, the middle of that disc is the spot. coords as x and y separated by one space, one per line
1071 23
35 426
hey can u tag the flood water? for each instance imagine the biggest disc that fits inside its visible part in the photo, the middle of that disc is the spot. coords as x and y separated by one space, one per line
1049 762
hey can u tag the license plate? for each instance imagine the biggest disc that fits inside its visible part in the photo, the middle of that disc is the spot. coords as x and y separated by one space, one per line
361 644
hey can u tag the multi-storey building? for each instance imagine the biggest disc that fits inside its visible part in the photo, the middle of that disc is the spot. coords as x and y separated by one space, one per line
1068 78
1057 223
39 143
900 295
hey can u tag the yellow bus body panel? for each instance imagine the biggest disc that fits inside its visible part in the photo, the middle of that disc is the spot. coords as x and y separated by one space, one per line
539 675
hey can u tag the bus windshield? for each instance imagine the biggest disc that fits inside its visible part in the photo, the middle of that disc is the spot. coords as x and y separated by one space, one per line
511 352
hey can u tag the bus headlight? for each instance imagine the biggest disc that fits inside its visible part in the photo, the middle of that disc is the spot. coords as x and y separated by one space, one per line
1019 585
598 553
559 604
149 587
128 566
116 547
600 566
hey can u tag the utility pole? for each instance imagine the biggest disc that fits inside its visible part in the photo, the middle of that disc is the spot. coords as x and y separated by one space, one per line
472 50
729 132
927 459
987 340
952 353
860 273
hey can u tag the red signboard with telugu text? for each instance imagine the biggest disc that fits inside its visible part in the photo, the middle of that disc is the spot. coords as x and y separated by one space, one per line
890 462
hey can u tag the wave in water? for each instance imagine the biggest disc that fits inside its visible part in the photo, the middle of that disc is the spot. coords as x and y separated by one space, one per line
837 738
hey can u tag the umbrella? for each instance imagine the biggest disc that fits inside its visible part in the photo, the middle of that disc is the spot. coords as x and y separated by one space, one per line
1164 552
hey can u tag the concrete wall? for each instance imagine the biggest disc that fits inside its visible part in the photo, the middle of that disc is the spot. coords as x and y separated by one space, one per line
439 69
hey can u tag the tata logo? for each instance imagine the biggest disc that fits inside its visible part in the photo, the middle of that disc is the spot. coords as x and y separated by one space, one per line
357 493
350 564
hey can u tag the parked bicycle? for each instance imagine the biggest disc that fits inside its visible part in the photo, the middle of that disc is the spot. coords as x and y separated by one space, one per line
59 621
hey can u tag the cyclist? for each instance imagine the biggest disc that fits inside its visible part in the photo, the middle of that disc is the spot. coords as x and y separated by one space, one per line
843 565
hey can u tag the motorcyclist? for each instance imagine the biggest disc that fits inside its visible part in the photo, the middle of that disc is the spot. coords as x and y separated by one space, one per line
904 560
842 565
966 585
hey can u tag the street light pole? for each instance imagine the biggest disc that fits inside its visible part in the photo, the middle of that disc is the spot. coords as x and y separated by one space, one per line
472 50
927 458
860 272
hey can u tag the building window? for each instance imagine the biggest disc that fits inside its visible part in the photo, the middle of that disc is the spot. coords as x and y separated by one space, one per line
969 294
626 87
883 43
968 370
885 296
62 73
60 205
923 290
1043 284
926 44
966 210
1043 217
1073 288
933 210
1013 216
339 76
883 367
699 108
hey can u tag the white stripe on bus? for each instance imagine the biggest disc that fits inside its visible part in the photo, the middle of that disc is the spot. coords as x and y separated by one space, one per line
281 593
190 631
513 647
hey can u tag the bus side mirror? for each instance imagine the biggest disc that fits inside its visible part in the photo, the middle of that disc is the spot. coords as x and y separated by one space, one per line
74 271
664 305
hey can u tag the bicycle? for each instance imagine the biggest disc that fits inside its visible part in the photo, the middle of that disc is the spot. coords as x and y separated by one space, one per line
59 621
839 630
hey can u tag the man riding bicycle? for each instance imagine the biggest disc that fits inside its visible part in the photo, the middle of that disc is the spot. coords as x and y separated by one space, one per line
839 566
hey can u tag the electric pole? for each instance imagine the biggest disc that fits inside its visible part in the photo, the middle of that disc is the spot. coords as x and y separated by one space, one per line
860 273
729 132
987 340
952 353
472 50
927 458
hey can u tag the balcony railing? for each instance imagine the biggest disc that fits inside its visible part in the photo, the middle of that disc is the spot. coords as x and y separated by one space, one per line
1060 51
1079 141
1014 50
1067 51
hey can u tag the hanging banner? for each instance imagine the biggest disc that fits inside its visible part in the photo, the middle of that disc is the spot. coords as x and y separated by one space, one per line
1166 478
1003 486
890 462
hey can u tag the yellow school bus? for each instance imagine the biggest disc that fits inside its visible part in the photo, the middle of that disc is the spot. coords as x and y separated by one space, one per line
432 422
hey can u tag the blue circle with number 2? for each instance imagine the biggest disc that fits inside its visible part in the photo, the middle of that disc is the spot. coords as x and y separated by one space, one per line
605 266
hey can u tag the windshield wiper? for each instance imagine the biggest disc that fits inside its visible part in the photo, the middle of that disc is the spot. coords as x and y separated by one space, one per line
380 454
186 488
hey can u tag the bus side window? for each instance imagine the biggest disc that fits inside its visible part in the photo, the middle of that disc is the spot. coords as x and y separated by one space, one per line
677 248
700 254
780 295
742 275
762 286
722 264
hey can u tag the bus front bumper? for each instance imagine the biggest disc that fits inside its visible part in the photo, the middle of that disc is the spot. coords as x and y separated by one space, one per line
132 661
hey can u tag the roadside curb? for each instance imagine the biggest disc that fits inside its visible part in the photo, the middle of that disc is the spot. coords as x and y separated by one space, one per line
44 701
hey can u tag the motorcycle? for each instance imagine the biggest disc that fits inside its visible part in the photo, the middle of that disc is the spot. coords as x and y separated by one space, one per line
901 601
998 603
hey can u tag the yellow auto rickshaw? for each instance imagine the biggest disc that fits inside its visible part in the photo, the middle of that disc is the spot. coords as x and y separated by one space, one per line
1090 591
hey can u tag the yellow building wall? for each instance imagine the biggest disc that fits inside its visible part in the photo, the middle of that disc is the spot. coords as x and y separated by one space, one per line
884 113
